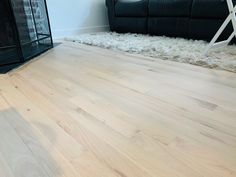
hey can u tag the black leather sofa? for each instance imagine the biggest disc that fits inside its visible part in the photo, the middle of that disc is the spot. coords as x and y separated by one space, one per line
195 19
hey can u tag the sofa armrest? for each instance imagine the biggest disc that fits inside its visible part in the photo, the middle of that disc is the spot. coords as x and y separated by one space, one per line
111 7
110 3
111 13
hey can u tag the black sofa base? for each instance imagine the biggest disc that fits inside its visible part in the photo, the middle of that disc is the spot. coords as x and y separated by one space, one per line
138 25
197 29
169 26
191 19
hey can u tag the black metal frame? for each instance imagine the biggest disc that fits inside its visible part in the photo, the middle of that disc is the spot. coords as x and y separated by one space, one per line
7 67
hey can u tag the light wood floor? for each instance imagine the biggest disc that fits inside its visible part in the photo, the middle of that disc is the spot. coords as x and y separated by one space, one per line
80 111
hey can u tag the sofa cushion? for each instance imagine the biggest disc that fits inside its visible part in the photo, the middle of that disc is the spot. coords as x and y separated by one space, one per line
215 9
131 8
170 8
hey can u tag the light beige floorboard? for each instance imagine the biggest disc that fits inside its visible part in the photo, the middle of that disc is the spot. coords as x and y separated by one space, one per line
89 112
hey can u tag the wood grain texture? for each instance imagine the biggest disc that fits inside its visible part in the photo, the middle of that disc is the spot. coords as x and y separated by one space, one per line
81 111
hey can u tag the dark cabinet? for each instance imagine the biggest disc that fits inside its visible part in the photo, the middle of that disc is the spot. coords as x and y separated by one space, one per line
24 31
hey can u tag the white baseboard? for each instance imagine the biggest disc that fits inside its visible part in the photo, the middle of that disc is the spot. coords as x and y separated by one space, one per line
61 33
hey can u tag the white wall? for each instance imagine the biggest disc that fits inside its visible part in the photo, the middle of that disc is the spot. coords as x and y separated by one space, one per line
71 17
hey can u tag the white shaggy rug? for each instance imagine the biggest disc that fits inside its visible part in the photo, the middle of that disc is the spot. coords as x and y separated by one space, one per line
165 48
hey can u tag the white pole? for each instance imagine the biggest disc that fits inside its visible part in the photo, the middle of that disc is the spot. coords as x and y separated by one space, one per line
231 17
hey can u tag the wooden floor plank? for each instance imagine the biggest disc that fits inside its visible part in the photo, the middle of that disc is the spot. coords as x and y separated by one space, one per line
84 111
16 154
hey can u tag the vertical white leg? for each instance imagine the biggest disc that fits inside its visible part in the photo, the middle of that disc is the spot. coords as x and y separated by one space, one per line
232 11
230 37
217 35
232 18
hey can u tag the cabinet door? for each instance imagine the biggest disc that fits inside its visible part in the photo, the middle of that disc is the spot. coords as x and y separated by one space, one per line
8 37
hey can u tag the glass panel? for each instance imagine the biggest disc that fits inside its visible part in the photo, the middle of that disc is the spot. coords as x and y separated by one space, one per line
32 21
24 20
32 49
41 20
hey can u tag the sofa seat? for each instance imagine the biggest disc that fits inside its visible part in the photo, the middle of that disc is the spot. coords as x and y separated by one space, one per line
131 8
169 8
213 9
